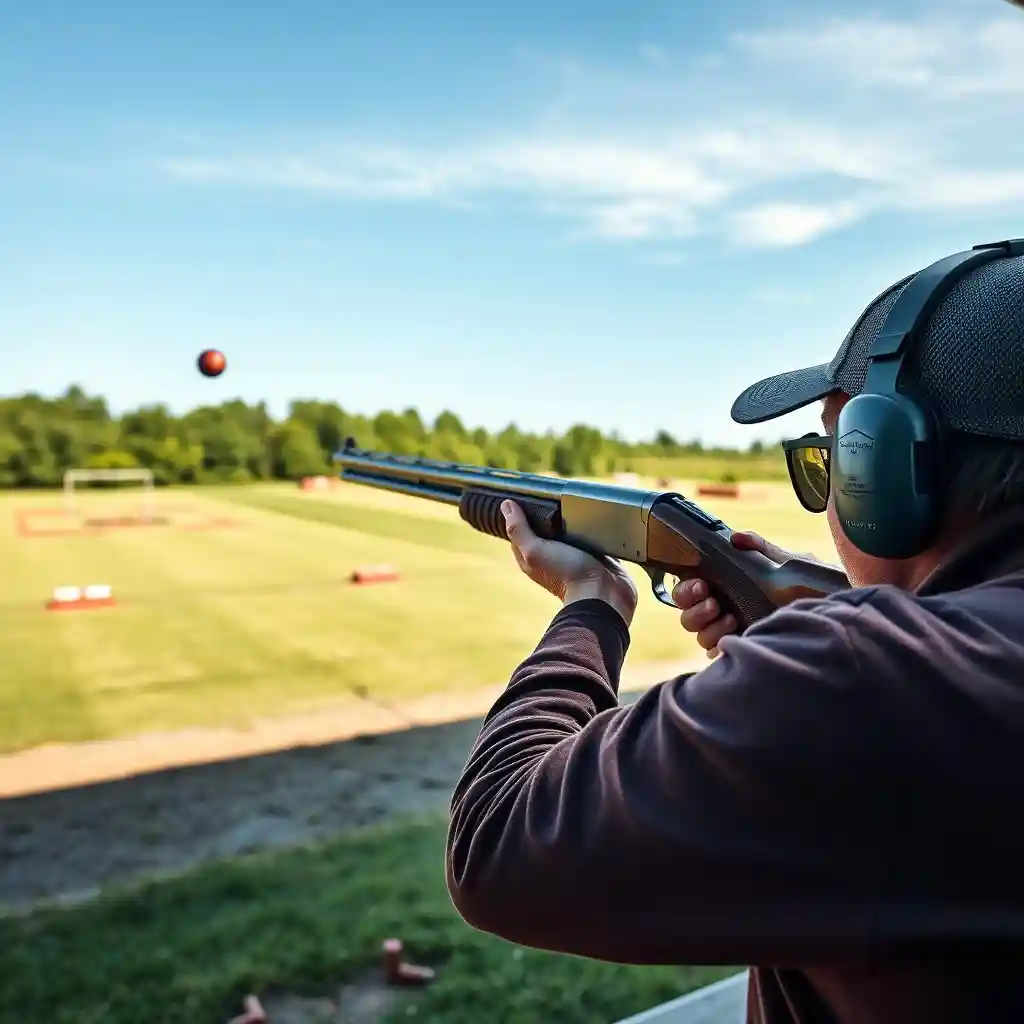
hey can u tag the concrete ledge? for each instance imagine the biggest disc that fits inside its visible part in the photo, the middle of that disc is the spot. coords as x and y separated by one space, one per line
724 1002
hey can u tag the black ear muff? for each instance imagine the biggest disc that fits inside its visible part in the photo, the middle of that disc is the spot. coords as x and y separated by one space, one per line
883 487
885 480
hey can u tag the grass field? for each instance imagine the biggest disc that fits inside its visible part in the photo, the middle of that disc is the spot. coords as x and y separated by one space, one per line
217 625
188 950
223 623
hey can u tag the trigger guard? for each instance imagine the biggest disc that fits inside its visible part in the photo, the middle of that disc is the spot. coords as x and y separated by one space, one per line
658 586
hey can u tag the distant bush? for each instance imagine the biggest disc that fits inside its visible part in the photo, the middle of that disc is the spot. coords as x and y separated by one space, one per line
235 442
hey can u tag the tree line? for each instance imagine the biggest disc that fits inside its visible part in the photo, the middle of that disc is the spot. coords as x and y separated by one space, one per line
236 442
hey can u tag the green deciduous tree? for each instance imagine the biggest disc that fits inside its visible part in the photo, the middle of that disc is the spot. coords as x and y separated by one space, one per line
41 438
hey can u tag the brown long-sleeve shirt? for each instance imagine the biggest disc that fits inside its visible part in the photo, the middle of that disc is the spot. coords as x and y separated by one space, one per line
836 799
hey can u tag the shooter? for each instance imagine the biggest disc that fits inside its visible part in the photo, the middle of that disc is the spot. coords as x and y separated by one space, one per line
835 799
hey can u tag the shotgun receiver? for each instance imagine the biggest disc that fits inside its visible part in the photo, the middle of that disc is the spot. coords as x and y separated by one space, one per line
663 532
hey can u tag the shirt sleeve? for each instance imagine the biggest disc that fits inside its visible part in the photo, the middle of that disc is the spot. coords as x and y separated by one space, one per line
726 817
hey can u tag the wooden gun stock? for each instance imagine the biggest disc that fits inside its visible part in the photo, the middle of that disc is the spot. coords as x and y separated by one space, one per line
745 583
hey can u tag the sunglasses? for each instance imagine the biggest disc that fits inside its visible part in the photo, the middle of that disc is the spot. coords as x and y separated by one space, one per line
807 459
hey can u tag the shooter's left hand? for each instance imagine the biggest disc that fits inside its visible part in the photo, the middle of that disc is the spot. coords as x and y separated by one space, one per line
566 572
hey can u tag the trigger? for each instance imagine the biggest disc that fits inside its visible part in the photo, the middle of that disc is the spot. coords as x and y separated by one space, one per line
658 585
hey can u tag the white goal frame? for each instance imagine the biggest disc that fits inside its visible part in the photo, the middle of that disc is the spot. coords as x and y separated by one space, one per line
73 477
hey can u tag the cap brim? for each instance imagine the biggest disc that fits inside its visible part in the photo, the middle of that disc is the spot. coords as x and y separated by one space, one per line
783 393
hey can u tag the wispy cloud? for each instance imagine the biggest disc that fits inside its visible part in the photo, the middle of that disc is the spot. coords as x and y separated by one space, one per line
822 126
792 223
944 56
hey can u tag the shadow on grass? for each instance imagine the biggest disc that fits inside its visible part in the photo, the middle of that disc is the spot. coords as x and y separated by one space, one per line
67 843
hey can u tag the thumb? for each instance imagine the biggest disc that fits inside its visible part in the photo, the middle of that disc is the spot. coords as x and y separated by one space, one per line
750 541
516 526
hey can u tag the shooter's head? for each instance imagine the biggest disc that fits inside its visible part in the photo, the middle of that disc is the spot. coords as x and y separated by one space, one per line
922 417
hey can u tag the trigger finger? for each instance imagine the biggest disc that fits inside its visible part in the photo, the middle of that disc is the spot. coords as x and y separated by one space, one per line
687 593
700 615
710 636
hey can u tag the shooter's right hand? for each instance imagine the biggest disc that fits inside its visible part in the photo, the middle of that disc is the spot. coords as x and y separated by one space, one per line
701 614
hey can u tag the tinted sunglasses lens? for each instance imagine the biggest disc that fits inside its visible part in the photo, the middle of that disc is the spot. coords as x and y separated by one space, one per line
808 468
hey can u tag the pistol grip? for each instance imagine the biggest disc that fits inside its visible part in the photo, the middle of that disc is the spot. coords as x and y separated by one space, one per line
690 548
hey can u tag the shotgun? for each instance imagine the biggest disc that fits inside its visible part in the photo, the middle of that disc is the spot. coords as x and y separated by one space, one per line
661 531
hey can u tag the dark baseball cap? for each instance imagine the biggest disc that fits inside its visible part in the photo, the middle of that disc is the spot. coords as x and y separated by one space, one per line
968 363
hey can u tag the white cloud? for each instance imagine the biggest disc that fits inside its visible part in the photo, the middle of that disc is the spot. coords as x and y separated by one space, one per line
954 190
619 190
787 224
945 56
641 218
812 130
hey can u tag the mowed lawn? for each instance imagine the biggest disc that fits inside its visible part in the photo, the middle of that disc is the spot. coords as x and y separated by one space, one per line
218 626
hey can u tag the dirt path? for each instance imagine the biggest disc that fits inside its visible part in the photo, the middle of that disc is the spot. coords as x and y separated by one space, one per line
76 818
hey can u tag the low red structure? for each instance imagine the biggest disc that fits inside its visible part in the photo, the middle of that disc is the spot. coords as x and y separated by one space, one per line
318 483
368 574
397 971
718 490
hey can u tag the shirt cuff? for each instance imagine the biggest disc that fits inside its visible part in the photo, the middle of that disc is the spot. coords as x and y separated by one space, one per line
597 614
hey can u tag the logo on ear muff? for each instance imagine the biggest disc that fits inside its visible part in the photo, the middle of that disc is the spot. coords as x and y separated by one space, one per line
856 442
856 464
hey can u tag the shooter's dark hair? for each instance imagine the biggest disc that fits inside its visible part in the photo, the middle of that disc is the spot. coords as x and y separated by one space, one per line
984 475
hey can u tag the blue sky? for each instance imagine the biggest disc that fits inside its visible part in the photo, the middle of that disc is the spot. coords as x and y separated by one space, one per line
617 213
